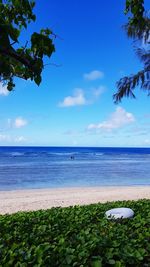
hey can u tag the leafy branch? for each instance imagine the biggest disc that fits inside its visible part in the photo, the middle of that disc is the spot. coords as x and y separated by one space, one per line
25 62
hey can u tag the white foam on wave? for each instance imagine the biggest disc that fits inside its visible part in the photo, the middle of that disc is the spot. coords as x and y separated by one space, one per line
63 153
16 154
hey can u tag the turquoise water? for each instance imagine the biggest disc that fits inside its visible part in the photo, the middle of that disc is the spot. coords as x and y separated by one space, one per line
51 167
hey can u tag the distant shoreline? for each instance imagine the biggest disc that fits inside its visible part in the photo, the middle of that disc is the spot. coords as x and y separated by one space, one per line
35 199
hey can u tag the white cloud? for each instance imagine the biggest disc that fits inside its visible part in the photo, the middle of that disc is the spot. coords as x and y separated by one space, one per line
3 90
5 137
117 120
147 141
93 75
99 91
77 99
19 139
19 122
81 98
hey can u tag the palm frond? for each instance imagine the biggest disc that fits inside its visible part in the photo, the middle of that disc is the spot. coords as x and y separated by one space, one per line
139 31
126 85
144 56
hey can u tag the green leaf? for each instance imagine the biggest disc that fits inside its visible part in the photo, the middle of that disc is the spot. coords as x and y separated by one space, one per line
111 261
38 79
14 33
96 261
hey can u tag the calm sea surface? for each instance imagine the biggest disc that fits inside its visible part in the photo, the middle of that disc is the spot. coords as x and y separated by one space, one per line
51 167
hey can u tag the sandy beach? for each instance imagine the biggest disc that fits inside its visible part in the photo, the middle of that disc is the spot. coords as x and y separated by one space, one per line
35 199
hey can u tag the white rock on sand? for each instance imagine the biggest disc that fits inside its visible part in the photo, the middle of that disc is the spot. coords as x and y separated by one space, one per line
35 199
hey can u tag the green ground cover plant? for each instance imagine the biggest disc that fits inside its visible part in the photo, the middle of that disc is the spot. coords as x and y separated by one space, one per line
76 236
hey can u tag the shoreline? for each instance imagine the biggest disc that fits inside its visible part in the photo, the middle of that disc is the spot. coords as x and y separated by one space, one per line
36 199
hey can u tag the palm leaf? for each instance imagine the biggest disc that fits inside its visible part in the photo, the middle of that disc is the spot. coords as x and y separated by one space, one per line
126 85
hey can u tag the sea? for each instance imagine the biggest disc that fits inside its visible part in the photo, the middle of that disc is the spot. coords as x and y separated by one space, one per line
58 167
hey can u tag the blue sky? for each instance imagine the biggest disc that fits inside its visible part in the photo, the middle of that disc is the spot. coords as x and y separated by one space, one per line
73 106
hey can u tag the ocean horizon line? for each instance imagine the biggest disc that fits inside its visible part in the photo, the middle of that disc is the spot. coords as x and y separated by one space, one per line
46 146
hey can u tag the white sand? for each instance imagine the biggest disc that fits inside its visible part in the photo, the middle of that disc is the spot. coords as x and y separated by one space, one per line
26 200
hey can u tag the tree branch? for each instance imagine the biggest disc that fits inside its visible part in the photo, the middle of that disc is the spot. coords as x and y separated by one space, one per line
12 54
